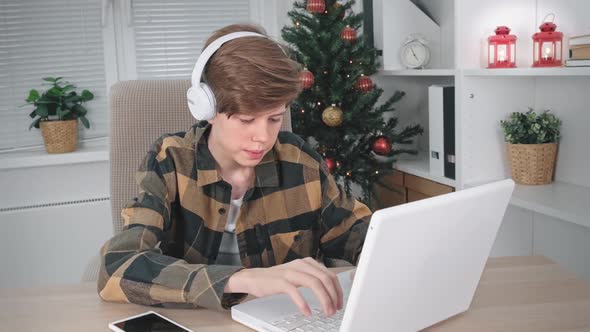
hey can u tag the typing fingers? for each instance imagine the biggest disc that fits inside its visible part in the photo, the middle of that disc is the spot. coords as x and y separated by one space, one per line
330 280
296 297
299 278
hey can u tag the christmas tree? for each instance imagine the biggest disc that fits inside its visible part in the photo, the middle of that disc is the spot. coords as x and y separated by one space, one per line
336 111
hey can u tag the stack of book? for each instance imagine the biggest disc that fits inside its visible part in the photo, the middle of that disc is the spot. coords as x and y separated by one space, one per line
579 51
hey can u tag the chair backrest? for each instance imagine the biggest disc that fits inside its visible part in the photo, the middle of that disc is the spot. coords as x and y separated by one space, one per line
141 111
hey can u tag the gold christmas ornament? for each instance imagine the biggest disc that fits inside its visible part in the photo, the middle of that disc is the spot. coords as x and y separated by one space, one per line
332 116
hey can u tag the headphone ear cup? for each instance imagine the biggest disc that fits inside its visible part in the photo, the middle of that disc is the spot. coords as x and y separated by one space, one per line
201 102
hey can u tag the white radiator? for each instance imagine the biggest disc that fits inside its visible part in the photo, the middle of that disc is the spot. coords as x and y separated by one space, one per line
54 216
51 243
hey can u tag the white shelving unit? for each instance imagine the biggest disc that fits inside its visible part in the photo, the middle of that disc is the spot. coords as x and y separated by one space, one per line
418 72
486 96
564 71
555 218
564 201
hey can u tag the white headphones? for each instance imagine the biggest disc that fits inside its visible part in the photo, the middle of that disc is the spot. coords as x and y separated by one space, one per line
201 100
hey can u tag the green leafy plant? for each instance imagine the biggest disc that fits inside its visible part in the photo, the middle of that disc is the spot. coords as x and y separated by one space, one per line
59 102
531 128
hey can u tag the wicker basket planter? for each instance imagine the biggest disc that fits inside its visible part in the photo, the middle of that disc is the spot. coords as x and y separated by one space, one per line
60 136
532 163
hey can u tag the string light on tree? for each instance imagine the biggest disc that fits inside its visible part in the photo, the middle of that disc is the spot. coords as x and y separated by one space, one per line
381 145
306 78
316 6
332 116
364 84
348 34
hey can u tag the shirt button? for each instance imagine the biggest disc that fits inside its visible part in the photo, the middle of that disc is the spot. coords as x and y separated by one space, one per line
221 211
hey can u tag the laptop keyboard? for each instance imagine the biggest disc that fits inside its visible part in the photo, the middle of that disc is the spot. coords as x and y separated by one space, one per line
314 322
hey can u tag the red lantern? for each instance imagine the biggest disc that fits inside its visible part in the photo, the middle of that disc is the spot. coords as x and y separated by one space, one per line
502 49
348 34
316 6
306 78
547 46
364 84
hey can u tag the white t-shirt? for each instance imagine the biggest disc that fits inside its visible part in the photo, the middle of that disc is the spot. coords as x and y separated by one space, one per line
229 254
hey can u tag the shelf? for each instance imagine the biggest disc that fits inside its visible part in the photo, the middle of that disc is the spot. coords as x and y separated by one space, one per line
560 200
417 72
87 152
420 166
555 71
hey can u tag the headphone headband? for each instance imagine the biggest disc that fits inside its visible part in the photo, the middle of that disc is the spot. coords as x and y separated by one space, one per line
212 48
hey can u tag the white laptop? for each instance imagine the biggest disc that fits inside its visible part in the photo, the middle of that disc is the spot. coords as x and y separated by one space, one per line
421 263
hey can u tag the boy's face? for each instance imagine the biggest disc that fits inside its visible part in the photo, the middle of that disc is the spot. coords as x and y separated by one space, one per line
244 139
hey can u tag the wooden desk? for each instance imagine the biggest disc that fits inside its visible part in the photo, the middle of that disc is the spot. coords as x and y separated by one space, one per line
515 294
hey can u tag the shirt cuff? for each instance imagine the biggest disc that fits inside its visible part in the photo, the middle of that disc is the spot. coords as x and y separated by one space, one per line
207 288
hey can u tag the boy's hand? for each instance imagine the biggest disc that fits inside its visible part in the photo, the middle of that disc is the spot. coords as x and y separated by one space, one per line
285 278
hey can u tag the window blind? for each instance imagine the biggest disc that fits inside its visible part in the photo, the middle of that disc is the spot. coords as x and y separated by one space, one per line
41 38
169 35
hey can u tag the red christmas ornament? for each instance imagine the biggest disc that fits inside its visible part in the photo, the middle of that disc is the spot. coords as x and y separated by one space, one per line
348 34
381 146
331 163
306 78
364 84
316 6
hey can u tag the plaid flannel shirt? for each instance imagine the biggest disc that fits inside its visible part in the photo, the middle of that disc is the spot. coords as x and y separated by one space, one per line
165 255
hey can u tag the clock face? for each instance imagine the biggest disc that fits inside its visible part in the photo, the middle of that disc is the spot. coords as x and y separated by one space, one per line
415 55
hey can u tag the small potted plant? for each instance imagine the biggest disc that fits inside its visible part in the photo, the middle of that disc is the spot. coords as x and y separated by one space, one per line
532 145
56 111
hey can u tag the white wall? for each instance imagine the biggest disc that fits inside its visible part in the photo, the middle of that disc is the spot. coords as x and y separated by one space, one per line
515 236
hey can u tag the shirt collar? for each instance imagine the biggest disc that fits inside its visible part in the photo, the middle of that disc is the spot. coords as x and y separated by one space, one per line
266 172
